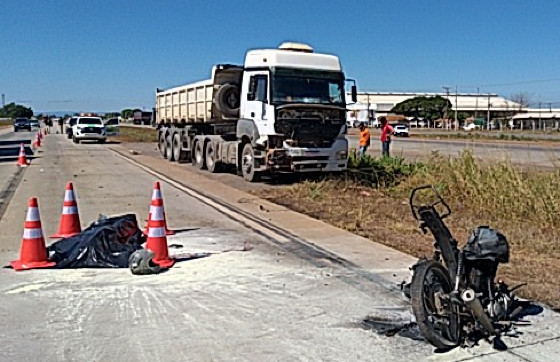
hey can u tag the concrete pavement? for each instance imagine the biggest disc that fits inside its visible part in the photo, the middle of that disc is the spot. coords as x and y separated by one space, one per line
276 285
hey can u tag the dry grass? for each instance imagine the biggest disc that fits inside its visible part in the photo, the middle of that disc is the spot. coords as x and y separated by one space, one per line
136 134
523 204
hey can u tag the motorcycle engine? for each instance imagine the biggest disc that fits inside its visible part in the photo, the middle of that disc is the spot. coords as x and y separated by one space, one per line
484 251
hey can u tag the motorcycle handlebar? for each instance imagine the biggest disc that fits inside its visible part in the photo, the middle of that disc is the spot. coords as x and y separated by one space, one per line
439 200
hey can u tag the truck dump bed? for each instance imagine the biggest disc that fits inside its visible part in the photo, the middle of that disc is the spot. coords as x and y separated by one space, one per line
191 103
215 100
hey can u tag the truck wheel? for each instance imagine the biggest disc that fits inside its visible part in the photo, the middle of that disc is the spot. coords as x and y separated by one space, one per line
169 148
248 164
211 164
75 140
162 147
198 159
227 100
178 154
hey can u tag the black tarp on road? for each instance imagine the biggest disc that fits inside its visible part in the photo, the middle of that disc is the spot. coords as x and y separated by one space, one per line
106 243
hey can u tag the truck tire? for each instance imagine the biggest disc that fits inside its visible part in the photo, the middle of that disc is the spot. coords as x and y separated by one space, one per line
198 159
169 148
227 100
162 146
178 153
211 164
248 163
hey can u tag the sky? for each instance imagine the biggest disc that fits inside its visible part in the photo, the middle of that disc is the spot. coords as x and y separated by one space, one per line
109 55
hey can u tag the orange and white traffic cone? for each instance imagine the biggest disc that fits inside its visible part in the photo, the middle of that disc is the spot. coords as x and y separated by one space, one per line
157 195
70 220
33 253
37 142
157 236
22 160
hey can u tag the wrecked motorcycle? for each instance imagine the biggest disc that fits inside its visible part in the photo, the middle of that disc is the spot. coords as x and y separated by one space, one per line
454 296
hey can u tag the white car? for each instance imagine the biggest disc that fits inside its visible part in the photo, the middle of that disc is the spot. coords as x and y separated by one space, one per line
471 127
88 128
400 130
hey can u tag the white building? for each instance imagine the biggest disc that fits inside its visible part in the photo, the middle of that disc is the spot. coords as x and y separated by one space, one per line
478 105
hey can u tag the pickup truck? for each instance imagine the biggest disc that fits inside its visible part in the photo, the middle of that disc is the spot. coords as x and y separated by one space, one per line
88 128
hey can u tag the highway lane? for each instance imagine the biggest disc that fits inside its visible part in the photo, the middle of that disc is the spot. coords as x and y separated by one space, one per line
10 174
542 155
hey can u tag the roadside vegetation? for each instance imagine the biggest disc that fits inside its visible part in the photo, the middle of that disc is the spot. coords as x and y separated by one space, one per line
495 135
6 123
136 134
371 200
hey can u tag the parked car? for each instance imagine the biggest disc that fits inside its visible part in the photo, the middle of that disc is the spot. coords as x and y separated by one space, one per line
69 124
112 126
88 128
22 123
400 130
34 123
471 127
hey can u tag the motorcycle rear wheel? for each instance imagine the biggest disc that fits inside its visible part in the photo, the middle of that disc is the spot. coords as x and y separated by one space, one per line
441 328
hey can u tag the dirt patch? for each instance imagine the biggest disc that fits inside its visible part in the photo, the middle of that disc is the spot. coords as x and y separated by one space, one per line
382 216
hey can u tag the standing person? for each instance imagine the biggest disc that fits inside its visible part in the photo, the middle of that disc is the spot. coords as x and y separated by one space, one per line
386 133
365 139
60 123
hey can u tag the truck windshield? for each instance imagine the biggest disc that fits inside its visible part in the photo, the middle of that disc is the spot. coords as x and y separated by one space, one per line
307 86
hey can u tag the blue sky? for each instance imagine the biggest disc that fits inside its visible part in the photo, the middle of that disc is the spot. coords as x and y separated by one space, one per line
107 55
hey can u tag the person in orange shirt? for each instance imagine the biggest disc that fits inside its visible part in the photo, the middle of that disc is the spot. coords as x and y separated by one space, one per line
365 139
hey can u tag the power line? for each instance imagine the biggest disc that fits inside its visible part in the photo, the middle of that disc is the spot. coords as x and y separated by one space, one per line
534 81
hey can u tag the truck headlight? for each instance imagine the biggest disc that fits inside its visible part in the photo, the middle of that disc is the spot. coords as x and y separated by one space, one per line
341 155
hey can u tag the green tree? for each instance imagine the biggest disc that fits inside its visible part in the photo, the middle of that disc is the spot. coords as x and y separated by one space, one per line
430 108
126 113
13 110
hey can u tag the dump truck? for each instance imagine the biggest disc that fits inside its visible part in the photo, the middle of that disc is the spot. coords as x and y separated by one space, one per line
282 111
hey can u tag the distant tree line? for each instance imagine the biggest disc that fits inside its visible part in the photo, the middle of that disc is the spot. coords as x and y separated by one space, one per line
13 110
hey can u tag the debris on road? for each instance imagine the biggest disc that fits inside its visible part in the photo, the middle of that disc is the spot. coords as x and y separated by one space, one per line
107 243
141 262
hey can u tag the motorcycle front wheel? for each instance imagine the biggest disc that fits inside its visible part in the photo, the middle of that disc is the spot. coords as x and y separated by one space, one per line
437 317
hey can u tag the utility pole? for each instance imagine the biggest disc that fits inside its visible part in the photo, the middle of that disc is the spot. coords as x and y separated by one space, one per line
476 106
456 110
488 116
540 105
3 100
446 106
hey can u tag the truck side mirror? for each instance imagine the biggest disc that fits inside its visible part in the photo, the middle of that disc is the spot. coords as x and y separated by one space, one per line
354 94
251 96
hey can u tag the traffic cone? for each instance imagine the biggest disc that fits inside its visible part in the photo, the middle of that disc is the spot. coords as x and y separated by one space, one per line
156 195
157 235
44 131
37 142
70 220
33 253
22 160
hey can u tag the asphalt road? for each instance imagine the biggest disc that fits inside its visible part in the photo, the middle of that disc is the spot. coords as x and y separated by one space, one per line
541 155
258 294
